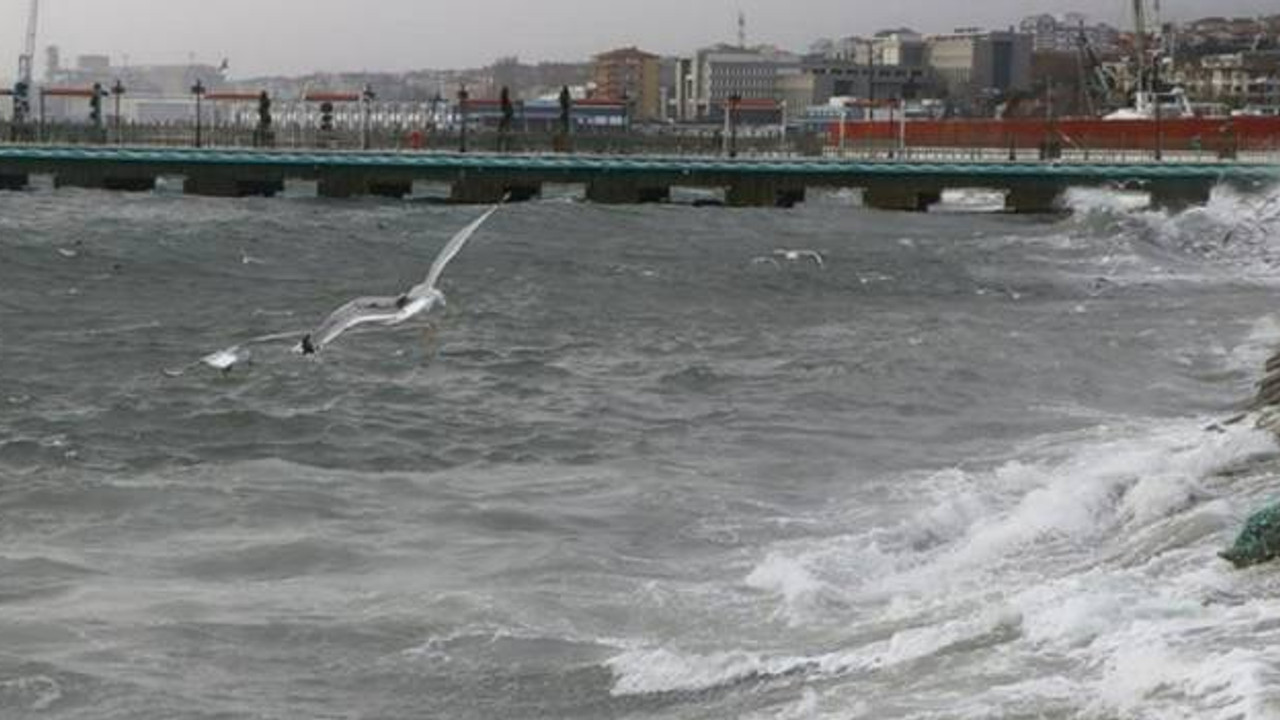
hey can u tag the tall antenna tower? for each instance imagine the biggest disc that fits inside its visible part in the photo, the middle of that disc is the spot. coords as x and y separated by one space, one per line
742 29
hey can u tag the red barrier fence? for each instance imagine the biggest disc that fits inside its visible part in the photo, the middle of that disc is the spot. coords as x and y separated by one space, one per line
1239 133
68 92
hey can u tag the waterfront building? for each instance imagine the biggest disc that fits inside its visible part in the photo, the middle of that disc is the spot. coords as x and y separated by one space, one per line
825 78
706 81
971 63
1240 79
631 75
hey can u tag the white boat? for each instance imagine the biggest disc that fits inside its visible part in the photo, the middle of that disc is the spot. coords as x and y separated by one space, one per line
1172 104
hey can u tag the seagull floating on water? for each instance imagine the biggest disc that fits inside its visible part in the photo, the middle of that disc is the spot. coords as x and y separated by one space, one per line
800 255
228 358
384 310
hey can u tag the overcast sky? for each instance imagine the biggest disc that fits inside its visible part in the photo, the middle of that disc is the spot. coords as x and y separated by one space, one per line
299 36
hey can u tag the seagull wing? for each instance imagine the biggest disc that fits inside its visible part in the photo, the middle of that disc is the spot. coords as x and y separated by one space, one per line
816 257
357 312
450 250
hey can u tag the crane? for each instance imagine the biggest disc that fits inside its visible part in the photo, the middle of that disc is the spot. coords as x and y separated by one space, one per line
1140 41
22 88
1097 85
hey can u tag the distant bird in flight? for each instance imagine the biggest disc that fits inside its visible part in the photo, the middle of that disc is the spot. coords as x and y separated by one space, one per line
385 310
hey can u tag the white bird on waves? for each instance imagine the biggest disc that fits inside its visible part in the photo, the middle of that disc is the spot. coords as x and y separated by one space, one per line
798 255
388 310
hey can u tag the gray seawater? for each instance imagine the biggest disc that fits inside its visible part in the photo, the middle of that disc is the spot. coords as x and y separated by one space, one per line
630 473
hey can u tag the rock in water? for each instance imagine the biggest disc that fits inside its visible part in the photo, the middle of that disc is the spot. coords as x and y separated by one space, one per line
1259 542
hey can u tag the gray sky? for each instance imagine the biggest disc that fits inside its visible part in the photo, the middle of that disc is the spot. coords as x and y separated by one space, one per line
298 36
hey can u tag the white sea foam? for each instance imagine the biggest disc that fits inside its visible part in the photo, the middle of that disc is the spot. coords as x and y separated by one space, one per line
790 578
1092 550
1152 680
659 670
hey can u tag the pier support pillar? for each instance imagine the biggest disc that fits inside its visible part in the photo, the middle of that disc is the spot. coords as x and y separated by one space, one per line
341 185
390 188
92 178
620 191
900 196
487 190
1178 195
221 184
760 192
1034 197
10 181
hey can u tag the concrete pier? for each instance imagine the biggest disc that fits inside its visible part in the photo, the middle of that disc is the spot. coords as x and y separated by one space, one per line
390 188
13 181
1034 197
1175 195
340 185
223 183
492 188
105 178
763 192
910 197
487 178
625 191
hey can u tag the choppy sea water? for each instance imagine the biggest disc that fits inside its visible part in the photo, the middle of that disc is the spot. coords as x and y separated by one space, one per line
631 471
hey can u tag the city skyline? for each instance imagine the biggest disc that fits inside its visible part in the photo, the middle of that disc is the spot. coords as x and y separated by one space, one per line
408 35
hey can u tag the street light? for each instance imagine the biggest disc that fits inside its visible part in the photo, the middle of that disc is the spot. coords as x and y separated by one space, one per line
626 111
436 101
367 96
117 91
463 95
732 119
198 90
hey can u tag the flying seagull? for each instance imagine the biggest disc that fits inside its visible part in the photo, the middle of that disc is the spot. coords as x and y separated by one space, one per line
388 310
391 310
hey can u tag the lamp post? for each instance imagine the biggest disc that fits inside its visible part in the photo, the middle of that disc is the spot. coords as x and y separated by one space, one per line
732 110
436 121
117 91
462 113
367 96
626 111
198 90
1156 109
871 70
844 121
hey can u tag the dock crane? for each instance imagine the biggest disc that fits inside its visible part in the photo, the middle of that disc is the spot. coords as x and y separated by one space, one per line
22 88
